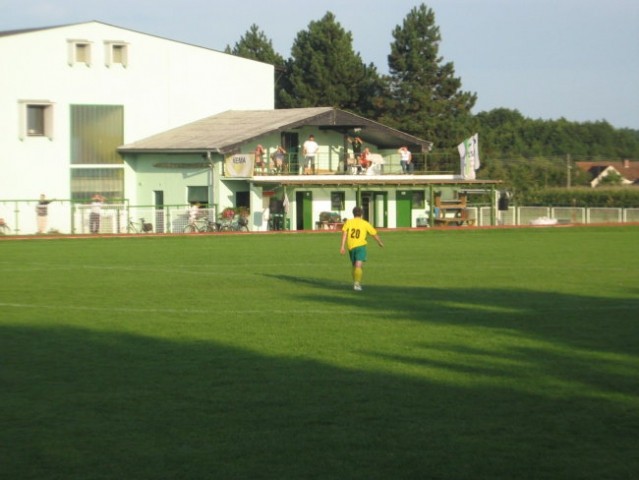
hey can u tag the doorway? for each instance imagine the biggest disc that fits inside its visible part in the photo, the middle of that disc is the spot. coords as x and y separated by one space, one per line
375 208
158 201
304 210
404 208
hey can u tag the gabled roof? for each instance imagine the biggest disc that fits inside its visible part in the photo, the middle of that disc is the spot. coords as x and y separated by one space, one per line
627 169
8 33
227 131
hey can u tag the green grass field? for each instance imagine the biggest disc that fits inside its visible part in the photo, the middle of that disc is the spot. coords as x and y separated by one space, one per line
470 354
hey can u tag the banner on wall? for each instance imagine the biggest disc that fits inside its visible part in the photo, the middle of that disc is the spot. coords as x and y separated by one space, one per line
239 165
469 156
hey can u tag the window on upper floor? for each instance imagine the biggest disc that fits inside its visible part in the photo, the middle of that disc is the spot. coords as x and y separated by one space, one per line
79 52
116 53
36 119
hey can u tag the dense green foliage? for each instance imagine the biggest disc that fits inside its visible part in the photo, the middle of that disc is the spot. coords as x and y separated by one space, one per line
493 354
508 134
324 70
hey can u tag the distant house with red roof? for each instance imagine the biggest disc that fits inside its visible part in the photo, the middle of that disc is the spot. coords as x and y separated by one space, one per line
627 170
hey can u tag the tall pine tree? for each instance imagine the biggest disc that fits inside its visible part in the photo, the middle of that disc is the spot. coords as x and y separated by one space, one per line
425 96
325 71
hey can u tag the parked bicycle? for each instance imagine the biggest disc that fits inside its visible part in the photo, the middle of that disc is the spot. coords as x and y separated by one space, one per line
139 227
238 224
201 225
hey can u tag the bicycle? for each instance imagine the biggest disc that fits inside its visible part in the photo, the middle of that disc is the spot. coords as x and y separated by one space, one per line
201 225
238 224
139 227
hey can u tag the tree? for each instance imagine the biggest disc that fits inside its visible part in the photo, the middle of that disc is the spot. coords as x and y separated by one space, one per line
325 71
425 96
255 45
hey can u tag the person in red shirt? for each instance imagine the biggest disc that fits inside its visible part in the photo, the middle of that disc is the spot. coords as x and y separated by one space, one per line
364 160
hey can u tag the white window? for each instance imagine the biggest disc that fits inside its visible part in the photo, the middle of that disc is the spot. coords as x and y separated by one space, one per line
116 53
79 52
36 118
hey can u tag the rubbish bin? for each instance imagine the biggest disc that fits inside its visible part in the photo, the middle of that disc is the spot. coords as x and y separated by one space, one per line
502 203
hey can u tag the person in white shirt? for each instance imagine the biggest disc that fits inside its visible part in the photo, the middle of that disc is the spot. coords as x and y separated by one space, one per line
310 149
405 160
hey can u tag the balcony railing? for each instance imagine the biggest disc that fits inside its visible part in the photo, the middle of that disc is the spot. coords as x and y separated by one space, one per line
334 164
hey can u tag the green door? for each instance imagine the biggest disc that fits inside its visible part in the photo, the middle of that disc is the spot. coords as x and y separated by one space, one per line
404 207
304 217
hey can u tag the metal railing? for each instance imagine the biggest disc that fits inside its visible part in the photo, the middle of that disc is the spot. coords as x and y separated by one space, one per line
333 163
65 217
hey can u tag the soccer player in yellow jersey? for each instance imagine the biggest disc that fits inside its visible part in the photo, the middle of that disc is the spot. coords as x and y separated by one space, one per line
354 234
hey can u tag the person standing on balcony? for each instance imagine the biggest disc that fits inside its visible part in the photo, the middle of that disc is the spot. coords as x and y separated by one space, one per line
259 159
364 160
278 158
405 159
310 149
356 144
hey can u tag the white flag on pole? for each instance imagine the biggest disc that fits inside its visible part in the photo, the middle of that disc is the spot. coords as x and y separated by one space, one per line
469 156
285 202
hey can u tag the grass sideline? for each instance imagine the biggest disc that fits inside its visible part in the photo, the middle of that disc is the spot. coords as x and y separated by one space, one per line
470 354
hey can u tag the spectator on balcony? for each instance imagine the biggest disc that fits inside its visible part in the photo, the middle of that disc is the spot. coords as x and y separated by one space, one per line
259 159
356 144
277 159
364 160
406 160
309 150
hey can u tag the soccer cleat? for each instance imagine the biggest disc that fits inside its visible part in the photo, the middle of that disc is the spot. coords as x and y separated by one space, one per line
357 287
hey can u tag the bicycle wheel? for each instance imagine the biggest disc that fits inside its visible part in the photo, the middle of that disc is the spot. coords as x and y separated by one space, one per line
132 228
190 229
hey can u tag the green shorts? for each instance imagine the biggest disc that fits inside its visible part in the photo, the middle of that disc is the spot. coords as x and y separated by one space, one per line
358 253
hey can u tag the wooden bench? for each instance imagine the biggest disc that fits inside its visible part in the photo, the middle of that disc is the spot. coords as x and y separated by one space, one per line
446 221
452 212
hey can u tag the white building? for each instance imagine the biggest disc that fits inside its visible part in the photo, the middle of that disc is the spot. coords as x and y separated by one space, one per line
71 94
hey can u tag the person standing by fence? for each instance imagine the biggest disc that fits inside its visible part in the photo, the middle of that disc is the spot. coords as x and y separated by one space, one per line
42 213
96 211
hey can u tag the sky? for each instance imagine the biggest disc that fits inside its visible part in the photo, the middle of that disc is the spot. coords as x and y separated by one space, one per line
548 59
